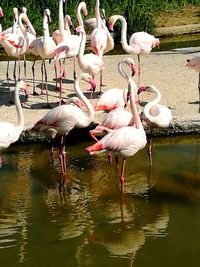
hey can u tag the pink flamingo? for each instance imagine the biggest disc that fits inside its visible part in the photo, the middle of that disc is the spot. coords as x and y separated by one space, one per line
91 23
1 16
115 97
155 114
126 141
140 43
101 39
10 133
194 63
89 63
61 120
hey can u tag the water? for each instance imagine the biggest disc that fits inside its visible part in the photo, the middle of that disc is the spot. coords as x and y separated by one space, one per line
155 223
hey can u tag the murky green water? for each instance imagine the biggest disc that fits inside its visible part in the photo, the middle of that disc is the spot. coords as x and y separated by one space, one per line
155 223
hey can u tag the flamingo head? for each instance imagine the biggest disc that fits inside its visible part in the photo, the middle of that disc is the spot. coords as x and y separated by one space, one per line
156 43
24 9
75 100
47 13
84 8
1 13
142 89
22 85
111 28
15 14
93 84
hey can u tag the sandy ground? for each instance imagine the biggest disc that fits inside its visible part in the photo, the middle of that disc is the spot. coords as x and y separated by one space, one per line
166 70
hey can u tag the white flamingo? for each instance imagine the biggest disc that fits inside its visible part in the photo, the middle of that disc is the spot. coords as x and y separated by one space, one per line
10 133
140 43
155 114
126 141
194 64
61 120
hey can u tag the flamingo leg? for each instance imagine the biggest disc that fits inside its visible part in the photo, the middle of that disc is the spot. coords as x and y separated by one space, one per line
64 69
56 73
42 70
14 71
25 68
46 87
139 73
150 149
62 155
19 70
74 65
122 178
7 73
199 91
33 72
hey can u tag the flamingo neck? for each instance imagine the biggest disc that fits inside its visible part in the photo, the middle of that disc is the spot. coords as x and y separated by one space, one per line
82 48
45 26
122 72
23 16
153 102
97 14
15 20
61 19
85 101
132 89
20 115
78 14
110 42
125 45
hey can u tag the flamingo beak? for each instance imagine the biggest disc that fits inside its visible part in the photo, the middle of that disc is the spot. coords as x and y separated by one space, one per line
26 91
111 26
93 85
142 89
133 70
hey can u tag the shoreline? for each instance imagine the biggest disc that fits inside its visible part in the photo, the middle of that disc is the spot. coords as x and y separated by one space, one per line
166 70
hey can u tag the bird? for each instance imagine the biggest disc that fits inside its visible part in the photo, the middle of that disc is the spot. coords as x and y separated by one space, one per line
10 133
116 97
101 40
154 114
60 120
125 141
194 63
1 16
91 23
89 63
140 43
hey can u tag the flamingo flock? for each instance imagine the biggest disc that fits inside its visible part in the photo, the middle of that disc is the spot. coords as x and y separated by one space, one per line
121 132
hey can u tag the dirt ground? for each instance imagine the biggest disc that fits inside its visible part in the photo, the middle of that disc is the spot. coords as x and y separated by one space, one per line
166 70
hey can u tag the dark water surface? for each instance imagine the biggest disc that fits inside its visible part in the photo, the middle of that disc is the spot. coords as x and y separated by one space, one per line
155 223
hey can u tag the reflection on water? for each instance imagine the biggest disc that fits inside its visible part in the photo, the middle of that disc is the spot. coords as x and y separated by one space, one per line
88 222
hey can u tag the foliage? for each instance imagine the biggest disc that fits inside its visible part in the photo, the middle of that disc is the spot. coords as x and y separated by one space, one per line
138 13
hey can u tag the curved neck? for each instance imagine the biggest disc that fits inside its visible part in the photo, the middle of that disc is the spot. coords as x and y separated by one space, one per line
155 101
78 14
110 42
20 115
82 47
15 20
125 45
121 70
132 89
85 101
61 19
22 16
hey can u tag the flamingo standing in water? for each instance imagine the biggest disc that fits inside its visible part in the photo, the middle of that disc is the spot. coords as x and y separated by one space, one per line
194 63
140 43
115 97
89 63
155 114
10 133
126 141
61 120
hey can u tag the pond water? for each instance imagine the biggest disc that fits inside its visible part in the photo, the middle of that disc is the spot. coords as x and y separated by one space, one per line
90 223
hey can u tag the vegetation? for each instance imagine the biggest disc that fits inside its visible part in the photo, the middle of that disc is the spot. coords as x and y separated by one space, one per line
140 14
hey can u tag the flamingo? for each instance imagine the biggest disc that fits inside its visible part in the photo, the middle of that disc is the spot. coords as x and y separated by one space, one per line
89 63
115 97
91 23
15 43
194 63
155 114
10 133
140 43
101 39
60 120
126 141
1 16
